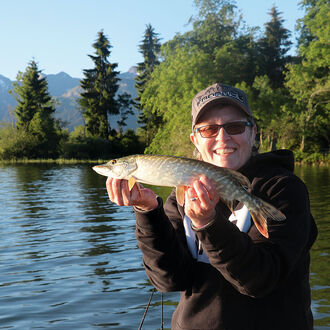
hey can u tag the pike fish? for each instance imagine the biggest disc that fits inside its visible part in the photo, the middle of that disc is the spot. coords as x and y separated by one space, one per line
180 172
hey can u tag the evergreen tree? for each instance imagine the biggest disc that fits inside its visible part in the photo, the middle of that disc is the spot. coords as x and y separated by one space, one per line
150 49
31 94
34 113
99 86
273 48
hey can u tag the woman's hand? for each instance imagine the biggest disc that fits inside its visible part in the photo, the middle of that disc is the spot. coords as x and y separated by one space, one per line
143 198
200 201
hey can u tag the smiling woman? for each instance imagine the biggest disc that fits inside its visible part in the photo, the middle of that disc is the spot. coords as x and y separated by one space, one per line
215 256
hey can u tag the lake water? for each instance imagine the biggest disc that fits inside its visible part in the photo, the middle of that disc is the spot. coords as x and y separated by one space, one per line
69 258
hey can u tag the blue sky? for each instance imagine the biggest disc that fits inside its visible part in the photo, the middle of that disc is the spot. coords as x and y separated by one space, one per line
59 34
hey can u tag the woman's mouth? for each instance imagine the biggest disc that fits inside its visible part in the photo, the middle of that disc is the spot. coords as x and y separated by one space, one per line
224 151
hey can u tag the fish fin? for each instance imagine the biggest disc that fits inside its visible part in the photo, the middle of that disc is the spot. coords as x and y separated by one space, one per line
228 203
180 192
242 179
131 183
262 213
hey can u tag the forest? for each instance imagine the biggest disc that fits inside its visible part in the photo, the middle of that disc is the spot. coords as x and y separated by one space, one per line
288 94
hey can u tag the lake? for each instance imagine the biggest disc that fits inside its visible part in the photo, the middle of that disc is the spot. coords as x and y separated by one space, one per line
69 258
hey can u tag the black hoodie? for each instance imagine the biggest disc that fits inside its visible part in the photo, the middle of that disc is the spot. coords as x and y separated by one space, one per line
251 282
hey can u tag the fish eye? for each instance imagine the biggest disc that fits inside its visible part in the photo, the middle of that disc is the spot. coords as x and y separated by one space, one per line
113 162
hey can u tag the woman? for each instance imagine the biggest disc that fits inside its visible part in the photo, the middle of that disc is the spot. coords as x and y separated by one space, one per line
229 275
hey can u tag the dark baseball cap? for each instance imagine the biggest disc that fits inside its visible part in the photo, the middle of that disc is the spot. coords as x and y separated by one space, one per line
218 94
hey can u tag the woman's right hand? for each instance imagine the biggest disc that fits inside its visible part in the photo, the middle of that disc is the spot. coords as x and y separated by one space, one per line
143 198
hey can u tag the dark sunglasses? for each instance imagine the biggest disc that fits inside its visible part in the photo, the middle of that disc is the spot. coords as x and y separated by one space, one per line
233 128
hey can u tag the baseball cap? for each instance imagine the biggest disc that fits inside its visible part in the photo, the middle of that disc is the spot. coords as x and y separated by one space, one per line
218 94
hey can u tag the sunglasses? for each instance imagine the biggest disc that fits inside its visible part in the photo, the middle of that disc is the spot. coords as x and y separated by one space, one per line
233 128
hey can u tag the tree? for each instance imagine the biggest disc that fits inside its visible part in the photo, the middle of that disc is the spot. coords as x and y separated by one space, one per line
273 48
170 90
35 111
150 49
31 94
125 109
308 81
99 86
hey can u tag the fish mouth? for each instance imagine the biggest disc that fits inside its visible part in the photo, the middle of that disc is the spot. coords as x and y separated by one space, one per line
101 169
224 151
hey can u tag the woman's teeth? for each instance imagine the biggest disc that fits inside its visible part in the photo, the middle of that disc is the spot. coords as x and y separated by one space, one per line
224 151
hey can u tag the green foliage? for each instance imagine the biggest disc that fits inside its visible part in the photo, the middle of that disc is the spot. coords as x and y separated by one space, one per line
84 146
35 122
99 86
31 94
308 81
21 143
170 91
313 158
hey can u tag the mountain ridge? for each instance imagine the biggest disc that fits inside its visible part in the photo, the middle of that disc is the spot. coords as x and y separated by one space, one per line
66 90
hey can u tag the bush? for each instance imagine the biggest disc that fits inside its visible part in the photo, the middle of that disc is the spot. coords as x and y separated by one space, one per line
311 158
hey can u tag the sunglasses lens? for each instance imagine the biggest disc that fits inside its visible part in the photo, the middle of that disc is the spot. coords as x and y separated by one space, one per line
230 128
235 128
209 131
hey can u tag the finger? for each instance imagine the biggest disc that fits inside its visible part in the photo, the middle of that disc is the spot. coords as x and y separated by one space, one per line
117 191
108 185
126 194
210 187
202 193
191 195
135 193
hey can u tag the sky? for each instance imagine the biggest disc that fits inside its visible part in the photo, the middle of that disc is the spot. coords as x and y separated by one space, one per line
58 34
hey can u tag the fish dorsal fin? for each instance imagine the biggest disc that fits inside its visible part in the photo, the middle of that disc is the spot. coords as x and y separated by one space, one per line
242 179
180 191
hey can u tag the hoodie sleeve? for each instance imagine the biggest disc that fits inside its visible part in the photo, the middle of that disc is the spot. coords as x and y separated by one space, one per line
253 264
161 239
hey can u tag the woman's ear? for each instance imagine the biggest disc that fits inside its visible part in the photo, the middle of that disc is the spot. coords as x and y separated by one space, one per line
193 139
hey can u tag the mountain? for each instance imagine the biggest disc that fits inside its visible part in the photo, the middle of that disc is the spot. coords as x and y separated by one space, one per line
7 101
66 90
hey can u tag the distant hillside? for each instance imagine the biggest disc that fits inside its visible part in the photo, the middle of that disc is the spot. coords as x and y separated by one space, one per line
66 90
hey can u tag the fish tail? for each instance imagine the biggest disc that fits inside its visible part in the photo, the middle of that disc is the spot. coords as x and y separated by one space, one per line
263 212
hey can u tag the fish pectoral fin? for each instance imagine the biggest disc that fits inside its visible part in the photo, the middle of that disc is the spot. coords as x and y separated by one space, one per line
131 182
180 192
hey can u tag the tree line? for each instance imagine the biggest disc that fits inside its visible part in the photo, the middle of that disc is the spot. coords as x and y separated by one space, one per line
288 94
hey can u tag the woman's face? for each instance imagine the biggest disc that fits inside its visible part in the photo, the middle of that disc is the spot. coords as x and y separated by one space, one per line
231 151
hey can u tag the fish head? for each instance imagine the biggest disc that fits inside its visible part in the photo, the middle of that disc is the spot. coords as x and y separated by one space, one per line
121 168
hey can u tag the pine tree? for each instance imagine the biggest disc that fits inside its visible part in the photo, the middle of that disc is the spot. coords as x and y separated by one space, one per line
273 48
99 86
31 94
35 111
150 49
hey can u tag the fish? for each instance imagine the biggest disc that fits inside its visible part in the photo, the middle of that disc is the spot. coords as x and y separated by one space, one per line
180 172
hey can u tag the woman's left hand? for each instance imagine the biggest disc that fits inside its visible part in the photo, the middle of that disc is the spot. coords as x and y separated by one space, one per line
200 201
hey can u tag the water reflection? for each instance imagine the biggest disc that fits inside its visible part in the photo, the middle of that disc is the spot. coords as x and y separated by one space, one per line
317 180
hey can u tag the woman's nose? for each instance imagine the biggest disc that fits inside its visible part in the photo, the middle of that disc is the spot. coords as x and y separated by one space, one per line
222 134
